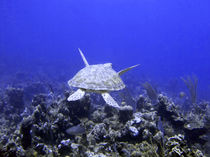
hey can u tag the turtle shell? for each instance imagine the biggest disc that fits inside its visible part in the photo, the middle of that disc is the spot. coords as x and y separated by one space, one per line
97 77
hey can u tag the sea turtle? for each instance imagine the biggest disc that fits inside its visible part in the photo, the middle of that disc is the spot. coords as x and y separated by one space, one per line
98 78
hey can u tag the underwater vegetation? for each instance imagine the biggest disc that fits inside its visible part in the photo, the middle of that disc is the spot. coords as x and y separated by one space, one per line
50 125
191 83
151 92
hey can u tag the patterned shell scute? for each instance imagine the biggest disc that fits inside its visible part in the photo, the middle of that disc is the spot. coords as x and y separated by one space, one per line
97 77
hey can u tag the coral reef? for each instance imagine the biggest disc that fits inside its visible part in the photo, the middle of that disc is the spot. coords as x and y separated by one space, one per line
57 127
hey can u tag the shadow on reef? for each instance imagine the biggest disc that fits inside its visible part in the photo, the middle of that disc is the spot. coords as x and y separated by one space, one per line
56 127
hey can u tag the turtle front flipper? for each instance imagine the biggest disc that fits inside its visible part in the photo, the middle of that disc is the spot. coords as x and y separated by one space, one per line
125 70
109 100
83 57
76 95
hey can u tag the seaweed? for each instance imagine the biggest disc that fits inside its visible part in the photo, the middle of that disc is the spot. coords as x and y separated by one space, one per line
191 83
151 92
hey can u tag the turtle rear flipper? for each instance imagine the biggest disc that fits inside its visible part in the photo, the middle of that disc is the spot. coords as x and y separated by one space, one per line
76 95
109 100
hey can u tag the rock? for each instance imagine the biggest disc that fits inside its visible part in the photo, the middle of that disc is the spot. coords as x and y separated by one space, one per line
169 112
110 111
64 147
25 131
125 113
79 108
98 132
143 104
133 131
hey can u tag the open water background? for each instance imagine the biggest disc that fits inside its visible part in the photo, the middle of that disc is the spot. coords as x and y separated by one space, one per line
169 39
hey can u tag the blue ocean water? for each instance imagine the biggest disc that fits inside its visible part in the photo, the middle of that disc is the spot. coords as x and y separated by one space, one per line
169 39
